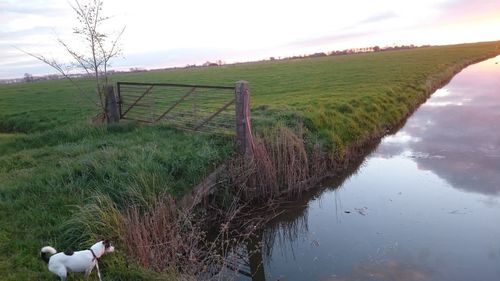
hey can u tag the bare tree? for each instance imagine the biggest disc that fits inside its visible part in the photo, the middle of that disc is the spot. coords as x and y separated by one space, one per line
94 55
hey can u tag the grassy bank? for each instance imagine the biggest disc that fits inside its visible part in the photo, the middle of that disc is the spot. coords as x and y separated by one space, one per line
45 175
52 161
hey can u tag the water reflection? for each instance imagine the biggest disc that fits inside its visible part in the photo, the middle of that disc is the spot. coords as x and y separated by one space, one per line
387 271
414 223
286 232
456 133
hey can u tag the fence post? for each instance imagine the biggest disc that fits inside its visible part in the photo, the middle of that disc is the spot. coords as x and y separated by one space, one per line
244 138
111 106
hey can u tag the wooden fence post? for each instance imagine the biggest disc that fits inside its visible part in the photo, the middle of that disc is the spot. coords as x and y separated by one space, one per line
244 138
112 115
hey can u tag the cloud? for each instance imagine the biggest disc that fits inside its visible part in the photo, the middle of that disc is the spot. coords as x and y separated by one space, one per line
454 10
6 36
452 6
322 40
386 15
362 28
47 8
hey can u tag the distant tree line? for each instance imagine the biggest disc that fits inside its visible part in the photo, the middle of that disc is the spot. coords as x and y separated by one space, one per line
351 51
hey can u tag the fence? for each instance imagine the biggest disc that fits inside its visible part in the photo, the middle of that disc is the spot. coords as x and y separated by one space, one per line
215 109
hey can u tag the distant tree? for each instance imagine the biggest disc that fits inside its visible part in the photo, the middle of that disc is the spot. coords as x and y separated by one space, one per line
376 49
28 77
136 69
97 51
208 63
317 55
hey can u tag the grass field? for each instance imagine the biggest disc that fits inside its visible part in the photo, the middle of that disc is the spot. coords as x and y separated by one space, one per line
52 160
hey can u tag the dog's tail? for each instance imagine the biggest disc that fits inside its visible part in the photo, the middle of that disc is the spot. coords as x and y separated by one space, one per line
45 251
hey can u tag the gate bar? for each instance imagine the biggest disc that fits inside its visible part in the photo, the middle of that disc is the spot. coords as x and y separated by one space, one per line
132 105
176 103
215 114
176 85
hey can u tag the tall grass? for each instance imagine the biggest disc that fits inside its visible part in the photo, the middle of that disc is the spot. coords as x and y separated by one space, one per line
97 220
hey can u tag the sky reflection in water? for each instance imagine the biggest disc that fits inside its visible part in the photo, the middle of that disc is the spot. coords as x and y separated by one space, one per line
456 134
424 206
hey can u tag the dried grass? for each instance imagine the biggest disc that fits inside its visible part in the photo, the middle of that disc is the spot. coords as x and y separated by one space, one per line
166 237
288 154
281 166
162 237
263 179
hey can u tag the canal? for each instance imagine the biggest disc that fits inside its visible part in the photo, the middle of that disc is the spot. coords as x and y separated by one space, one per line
424 205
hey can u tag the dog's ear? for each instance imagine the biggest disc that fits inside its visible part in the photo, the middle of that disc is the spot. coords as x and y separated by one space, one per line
106 243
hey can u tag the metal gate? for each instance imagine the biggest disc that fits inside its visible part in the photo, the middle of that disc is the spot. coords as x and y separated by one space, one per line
188 107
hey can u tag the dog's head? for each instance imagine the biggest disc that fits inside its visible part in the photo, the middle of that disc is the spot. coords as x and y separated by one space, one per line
107 246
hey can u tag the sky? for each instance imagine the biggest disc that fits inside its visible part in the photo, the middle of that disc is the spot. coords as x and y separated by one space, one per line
171 33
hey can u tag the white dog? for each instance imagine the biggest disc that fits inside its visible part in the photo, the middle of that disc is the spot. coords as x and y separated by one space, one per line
80 261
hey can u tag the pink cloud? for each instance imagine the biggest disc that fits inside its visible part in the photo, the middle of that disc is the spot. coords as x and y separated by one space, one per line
462 10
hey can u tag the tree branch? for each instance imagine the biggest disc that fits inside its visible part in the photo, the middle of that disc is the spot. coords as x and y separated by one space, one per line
57 66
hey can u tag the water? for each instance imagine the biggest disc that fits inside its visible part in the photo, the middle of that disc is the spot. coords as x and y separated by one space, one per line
425 205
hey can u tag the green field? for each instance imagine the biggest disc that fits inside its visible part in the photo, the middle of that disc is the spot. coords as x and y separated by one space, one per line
52 160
